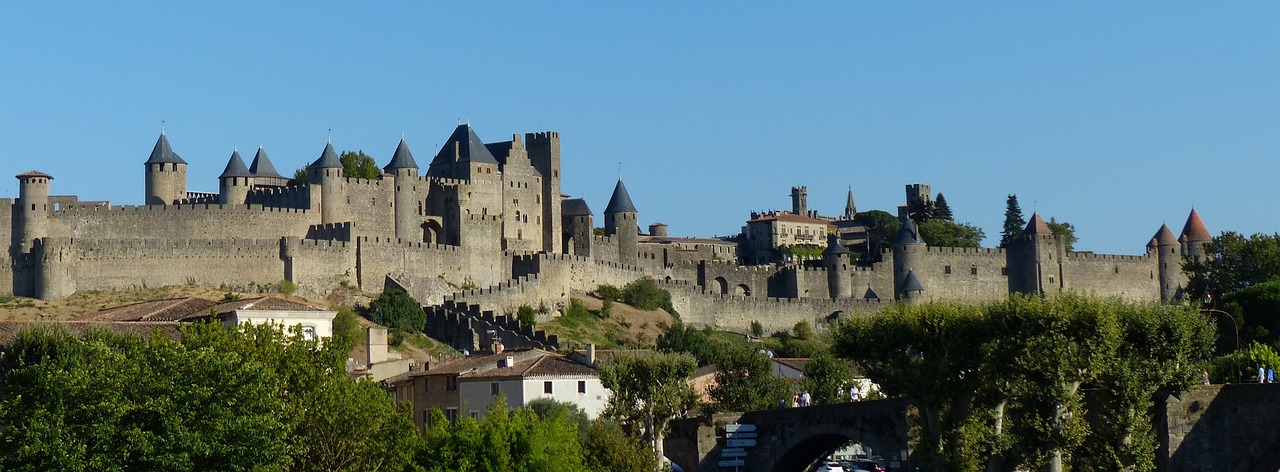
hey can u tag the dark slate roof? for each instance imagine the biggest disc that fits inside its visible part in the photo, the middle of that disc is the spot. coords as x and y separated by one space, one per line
1165 237
328 159
834 247
235 167
1194 230
163 153
575 207
909 234
911 283
620 201
870 295
273 303
466 146
500 151
1037 225
402 159
33 173
262 167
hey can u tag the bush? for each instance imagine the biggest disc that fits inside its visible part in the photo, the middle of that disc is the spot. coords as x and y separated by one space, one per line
576 308
645 294
286 287
802 330
526 316
345 325
757 330
606 308
609 292
1242 366
396 309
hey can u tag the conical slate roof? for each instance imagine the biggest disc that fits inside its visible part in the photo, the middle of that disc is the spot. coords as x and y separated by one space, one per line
466 146
402 159
575 207
1037 225
834 248
849 208
620 202
911 283
235 167
1194 230
262 167
162 153
909 234
871 294
328 159
1165 237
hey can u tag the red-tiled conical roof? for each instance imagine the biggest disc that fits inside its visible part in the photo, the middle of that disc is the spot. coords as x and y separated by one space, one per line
1037 225
1194 230
1164 237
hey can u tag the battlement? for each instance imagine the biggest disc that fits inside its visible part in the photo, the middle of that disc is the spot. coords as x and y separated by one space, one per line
400 243
983 251
323 244
1089 256
357 182
186 208
96 249
290 191
447 182
542 136
340 231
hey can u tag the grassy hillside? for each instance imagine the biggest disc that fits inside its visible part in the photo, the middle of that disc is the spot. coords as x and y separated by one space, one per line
624 327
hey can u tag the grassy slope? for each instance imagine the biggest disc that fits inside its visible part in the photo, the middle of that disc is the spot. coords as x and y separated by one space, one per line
625 327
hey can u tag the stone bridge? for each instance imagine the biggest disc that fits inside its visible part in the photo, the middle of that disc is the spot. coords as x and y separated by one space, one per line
792 439
1220 427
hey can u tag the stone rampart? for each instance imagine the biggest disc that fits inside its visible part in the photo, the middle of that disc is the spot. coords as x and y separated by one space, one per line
370 204
178 222
703 308
417 263
467 327
507 297
114 264
317 266
966 275
332 231
297 196
1135 278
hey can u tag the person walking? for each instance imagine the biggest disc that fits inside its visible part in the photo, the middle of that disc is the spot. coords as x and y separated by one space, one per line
806 399
1262 375
1271 375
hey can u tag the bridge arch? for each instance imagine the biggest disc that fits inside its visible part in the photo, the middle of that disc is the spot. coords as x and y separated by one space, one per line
1269 461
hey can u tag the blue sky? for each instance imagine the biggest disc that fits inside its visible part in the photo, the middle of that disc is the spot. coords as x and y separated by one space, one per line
1116 118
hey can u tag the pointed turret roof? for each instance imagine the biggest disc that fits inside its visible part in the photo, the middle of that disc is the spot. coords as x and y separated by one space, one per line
262 167
402 159
871 294
1194 230
328 159
1165 237
620 202
162 153
235 167
834 248
909 234
849 208
910 283
465 146
1037 226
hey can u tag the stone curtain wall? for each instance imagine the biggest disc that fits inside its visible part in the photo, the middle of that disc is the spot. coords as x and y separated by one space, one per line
238 264
370 204
962 284
1133 278
174 222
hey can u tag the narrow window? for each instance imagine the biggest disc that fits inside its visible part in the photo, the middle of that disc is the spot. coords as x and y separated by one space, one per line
546 387
973 270
582 386
493 388
946 270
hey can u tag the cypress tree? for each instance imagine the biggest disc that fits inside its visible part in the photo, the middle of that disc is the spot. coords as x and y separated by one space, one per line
942 211
1013 222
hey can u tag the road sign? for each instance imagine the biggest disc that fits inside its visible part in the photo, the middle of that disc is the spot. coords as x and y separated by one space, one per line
733 463
740 442
739 428
733 452
739 435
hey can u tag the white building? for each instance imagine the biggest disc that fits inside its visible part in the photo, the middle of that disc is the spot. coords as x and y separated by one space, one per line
544 375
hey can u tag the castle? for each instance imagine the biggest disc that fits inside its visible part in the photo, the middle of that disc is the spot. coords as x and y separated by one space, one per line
487 226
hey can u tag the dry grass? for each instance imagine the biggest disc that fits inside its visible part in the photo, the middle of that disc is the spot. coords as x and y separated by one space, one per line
85 301
625 327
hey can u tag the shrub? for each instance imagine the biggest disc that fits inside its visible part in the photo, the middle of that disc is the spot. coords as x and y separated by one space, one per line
757 330
609 293
576 308
802 330
286 287
526 316
396 309
606 308
645 294
1242 366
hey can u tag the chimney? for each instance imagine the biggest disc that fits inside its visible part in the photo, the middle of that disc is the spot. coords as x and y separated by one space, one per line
377 344
591 354
510 361
497 347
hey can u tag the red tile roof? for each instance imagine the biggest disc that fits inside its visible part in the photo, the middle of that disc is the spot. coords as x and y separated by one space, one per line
789 218
10 329
1194 230
172 309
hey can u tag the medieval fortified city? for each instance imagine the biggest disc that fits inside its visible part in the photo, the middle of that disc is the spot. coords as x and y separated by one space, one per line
502 301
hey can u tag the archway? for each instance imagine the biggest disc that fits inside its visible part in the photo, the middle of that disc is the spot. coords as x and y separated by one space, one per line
742 290
810 452
431 232
720 286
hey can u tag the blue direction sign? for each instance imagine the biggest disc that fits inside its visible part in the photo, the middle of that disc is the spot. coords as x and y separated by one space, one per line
733 452
740 442
739 428
733 463
739 435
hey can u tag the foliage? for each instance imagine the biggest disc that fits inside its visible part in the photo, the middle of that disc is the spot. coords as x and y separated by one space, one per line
698 343
358 165
745 381
576 308
800 252
918 209
609 449
1242 277
945 233
941 210
526 316
286 287
609 292
299 177
1064 230
648 391
1013 221
827 379
346 326
881 228
606 308
1242 365
396 309
230 297
757 329
546 407
802 330
504 440
644 293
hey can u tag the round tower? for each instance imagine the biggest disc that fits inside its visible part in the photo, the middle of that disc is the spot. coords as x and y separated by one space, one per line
620 221
235 182
1169 258
658 229
326 172
908 250
32 219
836 259
166 175
404 172
1196 235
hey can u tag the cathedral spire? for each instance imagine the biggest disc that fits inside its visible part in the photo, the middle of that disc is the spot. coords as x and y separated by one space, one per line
849 209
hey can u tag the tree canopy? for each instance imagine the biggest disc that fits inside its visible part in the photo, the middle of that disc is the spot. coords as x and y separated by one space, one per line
1013 221
1064 230
395 308
649 390
1241 276
944 233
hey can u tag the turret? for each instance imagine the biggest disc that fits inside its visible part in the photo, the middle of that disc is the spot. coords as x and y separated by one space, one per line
1034 260
1169 257
620 221
912 290
836 259
235 182
544 155
326 172
908 251
577 226
404 171
1196 236
265 174
166 175
31 220
800 200
658 229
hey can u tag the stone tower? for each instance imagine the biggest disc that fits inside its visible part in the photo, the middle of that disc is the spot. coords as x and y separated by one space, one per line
1169 256
1034 260
836 259
577 227
326 172
1195 235
912 291
235 182
658 229
166 175
31 220
544 154
920 192
620 221
800 200
908 252
404 171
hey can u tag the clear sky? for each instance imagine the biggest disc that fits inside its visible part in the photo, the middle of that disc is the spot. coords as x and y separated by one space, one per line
1114 117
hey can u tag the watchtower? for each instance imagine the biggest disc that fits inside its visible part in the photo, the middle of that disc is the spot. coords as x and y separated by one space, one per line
577 227
404 171
800 200
326 172
620 221
908 252
1034 260
32 218
166 175
235 182
1169 256
836 259
544 154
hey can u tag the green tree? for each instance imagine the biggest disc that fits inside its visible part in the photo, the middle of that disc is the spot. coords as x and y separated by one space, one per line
1013 221
358 165
526 316
919 210
645 294
757 329
649 390
802 330
1241 366
745 381
1239 276
394 308
881 228
504 440
299 177
941 210
609 449
943 233
609 292
827 379
1064 230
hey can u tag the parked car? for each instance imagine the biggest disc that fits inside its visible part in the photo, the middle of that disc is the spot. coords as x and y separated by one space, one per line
862 465
830 466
